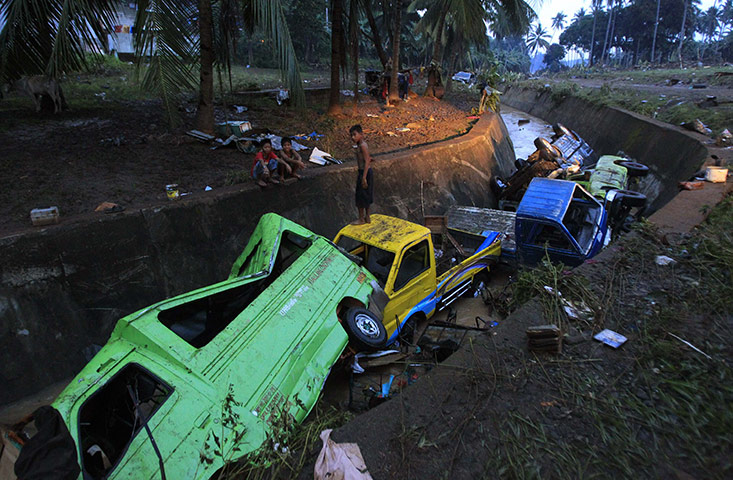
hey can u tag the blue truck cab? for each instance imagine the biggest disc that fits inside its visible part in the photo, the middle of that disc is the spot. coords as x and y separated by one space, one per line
556 217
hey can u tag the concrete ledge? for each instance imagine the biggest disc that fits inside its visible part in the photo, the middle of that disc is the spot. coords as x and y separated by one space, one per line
62 288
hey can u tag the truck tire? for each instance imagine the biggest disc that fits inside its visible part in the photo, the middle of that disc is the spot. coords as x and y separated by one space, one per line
561 130
407 332
498 185
365 330
634 169
547 150
631 198
520 163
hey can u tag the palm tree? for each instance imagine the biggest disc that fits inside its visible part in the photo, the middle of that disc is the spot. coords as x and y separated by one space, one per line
337 40
656 26
51 37
393 85
558 21
596 6
579 14
537 38
467 20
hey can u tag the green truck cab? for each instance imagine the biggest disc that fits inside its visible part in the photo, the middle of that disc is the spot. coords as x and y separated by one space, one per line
402 257
193 382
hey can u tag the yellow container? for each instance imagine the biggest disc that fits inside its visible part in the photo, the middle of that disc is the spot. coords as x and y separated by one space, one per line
172 191
716 174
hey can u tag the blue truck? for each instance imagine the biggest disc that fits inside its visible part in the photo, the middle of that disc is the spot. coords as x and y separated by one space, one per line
555 217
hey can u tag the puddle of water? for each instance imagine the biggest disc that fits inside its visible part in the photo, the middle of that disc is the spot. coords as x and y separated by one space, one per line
523 135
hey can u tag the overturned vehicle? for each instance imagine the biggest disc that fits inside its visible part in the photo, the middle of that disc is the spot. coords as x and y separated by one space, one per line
191 383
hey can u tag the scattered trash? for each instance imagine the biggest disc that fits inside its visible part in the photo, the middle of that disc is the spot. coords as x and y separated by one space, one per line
208 189
233 127
610 338
311 136
544 338
697 126
370 362
372 115
109 207
319 157
664 260
339 461
691 185
239 108
44 216
403 129
645 101
347 93
172 192
282 96
102 95
691 346
23 332
431 119
551 403
581 311
725 139
199 135
716 174
473 117
673 81
522 121
698 86
391 134
413 125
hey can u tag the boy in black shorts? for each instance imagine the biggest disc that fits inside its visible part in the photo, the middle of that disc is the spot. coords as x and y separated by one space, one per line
364 194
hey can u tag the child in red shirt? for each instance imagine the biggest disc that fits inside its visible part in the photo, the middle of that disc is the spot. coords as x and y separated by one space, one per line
264 168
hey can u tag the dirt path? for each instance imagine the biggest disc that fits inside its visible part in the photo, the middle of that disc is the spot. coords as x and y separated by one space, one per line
122 151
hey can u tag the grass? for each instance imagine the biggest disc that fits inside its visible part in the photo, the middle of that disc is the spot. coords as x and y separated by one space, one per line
665 409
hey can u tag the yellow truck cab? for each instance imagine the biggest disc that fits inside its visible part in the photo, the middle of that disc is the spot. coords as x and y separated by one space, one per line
401 255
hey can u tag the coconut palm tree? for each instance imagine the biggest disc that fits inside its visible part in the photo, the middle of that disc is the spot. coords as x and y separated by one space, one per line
579 14
558 21
52 37
537 38
597 7
656 27
467 20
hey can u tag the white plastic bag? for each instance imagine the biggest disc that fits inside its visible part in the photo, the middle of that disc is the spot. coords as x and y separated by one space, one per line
339 461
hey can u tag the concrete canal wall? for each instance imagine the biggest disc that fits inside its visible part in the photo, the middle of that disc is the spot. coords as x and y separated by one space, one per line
672 154
62 288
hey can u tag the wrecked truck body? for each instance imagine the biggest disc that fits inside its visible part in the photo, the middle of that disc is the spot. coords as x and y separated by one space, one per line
204 378
416 282
557 218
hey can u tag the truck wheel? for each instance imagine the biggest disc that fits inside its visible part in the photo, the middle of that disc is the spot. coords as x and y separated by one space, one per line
561 130
520 163
407 332
364 329
634 169
547 150
498 185
631 198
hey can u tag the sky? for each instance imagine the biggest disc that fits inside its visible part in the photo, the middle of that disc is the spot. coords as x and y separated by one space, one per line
549 9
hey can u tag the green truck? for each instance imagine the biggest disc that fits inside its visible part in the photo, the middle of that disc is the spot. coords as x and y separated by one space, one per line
193 382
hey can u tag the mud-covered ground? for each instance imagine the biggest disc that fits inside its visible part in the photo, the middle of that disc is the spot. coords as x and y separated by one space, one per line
118 147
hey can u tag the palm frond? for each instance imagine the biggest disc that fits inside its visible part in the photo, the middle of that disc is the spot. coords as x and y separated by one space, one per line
51 36
269 15
165 32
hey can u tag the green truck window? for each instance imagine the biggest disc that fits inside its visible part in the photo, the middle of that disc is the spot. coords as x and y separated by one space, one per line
108 421
414 262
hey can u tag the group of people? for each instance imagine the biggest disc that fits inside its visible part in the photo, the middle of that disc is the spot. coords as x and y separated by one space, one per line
269 167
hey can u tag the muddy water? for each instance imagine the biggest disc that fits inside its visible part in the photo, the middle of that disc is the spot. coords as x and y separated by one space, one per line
523 135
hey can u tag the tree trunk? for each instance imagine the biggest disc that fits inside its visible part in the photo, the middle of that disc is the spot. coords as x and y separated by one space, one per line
354 39
205 112
613 32
593 37
437 50
456 51
605 41
375 33
337 34
682 32
656 26
394 94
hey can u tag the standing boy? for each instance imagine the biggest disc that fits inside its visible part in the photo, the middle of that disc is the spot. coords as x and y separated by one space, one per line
364 180
265 164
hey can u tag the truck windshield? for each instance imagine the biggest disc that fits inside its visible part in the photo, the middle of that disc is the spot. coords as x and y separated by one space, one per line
582 218
377 261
